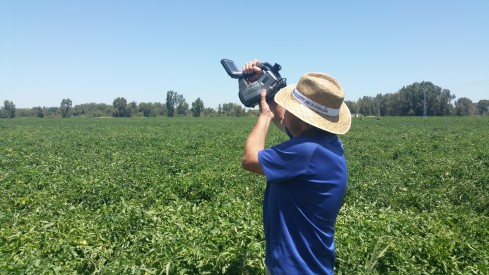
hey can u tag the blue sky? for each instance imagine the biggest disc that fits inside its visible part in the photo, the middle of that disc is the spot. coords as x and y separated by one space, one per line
96 51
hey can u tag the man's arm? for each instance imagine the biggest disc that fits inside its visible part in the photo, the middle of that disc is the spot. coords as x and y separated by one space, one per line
256 139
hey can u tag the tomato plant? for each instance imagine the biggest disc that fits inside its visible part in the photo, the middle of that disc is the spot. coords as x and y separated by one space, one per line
168 195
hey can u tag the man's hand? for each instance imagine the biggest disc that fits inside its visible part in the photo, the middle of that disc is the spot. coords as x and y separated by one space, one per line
251 69
264 107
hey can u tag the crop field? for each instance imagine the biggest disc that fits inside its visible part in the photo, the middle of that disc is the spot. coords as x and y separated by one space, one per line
168 196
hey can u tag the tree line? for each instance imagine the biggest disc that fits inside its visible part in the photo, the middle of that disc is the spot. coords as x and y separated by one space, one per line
417 99
175 105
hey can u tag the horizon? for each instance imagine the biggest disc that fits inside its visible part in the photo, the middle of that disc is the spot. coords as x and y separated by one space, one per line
452 102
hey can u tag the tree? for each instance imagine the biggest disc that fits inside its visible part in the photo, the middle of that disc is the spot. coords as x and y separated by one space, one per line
152 109
209 112
232 109
147 109
219 110
182 106
171 98
132 109
253 112
483 106
379 105
411 99
238 110
65 107
415 100
465 107
391 105
445 103
197 107
9 108
39 111
352 105
93 110
160 109
367 106
120 107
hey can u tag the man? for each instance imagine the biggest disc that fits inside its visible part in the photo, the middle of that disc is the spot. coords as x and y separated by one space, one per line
306 175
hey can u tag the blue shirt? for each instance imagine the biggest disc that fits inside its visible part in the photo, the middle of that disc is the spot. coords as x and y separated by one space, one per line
306 183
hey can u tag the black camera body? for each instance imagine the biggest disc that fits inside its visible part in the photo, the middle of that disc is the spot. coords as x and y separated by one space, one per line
250 92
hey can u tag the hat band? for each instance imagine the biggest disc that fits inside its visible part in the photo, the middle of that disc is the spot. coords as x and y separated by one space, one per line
315 106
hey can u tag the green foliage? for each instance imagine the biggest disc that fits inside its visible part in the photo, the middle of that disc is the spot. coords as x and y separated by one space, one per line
168 196
171 102
8 109
65 107
93 110
483 107
197 107
465 107
181 105
121 109
418 199
412 100
152 109
231 109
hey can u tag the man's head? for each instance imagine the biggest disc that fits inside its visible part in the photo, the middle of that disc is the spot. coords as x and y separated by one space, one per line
317 99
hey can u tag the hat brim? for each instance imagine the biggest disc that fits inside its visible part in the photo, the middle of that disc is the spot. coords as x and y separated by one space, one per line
334 124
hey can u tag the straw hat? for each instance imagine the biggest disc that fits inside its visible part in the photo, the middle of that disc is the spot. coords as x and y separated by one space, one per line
318 100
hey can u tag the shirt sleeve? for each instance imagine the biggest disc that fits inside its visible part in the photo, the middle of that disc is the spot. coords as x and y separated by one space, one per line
283 163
